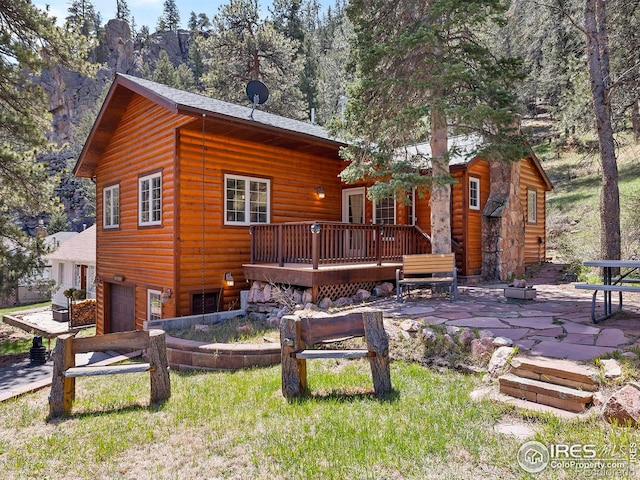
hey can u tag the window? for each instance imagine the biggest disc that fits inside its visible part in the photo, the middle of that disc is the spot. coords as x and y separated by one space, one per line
112 206
474 193
532 206
385 211
91 277
154 305
150 199
61 273
246 200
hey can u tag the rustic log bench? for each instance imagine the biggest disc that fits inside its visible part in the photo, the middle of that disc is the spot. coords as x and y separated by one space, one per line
65 370
298 336
427 269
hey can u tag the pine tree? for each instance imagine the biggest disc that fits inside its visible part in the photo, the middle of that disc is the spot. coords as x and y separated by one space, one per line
251 49
164 71
29 41
82 18
122 10
422 67
170 19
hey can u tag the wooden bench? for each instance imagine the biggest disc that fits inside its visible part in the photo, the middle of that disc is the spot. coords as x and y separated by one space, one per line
427 269
65 370
298 336
608 289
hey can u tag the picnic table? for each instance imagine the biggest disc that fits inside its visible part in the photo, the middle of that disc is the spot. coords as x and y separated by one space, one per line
611 284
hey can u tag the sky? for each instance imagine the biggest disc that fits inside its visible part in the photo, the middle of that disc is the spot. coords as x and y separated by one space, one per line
146 12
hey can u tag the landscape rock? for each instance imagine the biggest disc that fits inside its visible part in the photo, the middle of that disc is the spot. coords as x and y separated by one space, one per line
623 406
630 355
449 339
201 328
611 368
502 342
325 303
598 399
343 302
383 290
452 330
244 329
307 296
411 326
428 336
466 336
361 295
481 348
499 360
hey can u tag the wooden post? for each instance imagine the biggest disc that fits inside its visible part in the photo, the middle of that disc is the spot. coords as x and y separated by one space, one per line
160 381
63 390
294 371
378 342
279 247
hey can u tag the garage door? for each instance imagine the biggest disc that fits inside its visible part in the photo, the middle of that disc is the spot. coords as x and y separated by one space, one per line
122 308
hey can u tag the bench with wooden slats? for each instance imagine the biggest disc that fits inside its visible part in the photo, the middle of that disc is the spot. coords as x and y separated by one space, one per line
65 370
427 270
299 336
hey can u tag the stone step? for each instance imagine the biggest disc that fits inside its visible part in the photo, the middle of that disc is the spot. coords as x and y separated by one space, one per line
560 372
545 393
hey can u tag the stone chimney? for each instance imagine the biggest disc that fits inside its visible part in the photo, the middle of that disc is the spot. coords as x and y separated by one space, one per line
503 224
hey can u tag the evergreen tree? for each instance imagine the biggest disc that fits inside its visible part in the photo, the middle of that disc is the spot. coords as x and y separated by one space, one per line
164 72
195 61
29 41
122 10
192 24
170 19
242 47
82 18
184 78
422 68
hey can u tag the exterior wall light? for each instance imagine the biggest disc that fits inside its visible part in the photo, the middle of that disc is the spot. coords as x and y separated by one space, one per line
228 279
320 191
315 228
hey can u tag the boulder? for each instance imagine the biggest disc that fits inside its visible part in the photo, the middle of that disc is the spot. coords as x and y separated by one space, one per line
307 296
499 360
623 406
325 303
466 337
411 326
502 342
343 302
611 368
361 295
481 348
429 337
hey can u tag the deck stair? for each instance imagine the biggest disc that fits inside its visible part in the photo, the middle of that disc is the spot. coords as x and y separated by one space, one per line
557 383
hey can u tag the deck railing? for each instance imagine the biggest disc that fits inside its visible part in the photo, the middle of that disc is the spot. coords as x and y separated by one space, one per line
325 243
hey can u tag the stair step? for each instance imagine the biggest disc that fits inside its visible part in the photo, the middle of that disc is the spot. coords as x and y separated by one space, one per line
560 372
550 394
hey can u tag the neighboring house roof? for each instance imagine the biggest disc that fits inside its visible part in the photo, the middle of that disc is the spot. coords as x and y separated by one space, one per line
79 249
57 239
186 103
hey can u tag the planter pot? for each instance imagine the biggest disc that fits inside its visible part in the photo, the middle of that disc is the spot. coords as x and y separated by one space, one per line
520 293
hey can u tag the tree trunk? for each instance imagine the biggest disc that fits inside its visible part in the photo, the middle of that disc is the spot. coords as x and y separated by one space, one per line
598 58
440 192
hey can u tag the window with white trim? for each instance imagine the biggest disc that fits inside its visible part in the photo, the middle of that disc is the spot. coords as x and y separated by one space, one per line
246 200
111 206
474 193
532 206
385 211
61 274
154 305
150 199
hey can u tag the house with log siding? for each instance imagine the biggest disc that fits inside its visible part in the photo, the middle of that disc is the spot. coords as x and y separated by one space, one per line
196 198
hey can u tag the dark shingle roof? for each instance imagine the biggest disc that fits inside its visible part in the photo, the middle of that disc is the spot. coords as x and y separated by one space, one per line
192 102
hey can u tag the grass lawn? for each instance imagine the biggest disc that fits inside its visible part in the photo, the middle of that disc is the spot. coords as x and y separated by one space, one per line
238 426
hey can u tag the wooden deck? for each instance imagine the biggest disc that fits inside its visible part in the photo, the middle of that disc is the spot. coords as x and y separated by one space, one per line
328 257
306 276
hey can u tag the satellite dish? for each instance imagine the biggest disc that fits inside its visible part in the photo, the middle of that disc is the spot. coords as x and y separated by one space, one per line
257 92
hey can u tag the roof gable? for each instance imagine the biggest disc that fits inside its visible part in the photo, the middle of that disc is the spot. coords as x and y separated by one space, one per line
186 103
